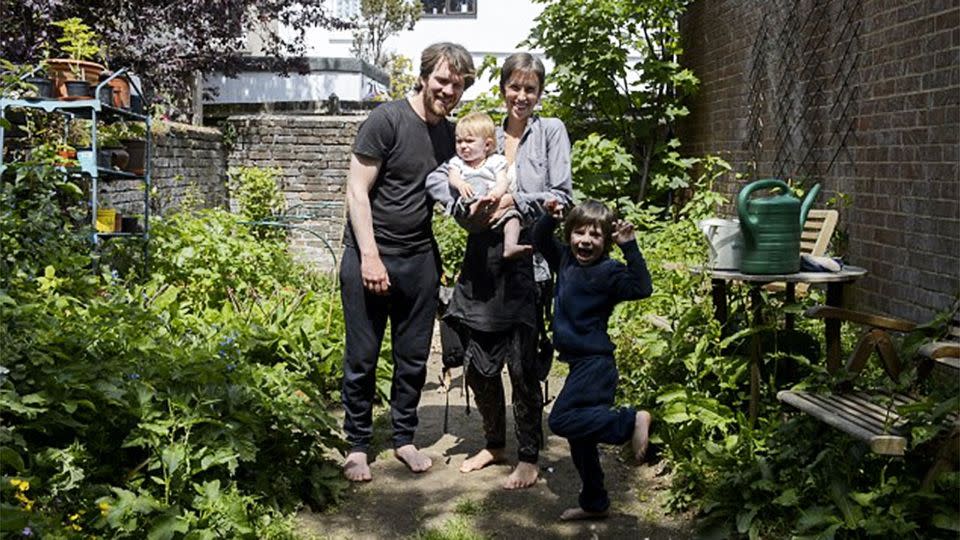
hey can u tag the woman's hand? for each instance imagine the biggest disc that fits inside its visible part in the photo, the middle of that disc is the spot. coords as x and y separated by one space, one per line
623 231
465 189
554 207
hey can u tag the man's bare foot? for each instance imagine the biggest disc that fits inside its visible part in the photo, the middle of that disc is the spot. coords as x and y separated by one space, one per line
523 476
481 459
414 459
355 467
577 514
512 251
641 435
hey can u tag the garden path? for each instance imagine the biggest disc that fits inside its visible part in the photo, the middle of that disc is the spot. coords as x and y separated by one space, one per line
444 503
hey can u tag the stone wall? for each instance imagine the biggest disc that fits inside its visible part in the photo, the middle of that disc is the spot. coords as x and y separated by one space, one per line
313 156
862 96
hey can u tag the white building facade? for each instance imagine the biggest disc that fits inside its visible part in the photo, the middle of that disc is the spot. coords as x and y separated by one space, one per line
484 27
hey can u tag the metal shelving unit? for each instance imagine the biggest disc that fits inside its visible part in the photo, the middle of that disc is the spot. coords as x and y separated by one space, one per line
94 110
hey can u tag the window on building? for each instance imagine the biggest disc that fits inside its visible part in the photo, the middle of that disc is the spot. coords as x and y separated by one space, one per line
449 8
347 9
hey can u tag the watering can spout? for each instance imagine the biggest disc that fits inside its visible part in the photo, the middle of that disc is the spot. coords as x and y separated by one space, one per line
808 203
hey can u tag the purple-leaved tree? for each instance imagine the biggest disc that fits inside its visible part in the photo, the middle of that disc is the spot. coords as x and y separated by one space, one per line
165 42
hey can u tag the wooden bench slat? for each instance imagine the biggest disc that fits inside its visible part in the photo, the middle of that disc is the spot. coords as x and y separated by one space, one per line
857 411
862 404
827 411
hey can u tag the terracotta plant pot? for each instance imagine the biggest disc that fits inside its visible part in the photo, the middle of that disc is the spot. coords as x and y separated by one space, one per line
60 72
121 92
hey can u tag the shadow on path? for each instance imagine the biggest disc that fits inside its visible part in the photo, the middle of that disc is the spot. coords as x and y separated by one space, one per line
400 504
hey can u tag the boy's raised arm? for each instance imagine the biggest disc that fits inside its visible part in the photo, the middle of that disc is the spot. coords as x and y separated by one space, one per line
543 239
633 281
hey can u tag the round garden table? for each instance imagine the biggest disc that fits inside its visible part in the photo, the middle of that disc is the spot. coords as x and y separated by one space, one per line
835 282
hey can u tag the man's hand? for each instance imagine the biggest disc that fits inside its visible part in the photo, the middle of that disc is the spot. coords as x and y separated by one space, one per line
374 274
623 231
554 207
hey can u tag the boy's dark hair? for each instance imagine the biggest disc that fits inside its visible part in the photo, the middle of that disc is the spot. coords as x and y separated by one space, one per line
591 212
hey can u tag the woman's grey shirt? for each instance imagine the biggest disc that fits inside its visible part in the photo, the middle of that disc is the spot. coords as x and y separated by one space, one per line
543 168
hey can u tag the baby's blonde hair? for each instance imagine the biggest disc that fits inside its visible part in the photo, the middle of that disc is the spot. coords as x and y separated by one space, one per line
478 124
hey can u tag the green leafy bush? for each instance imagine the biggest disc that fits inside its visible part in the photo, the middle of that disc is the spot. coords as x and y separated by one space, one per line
195 401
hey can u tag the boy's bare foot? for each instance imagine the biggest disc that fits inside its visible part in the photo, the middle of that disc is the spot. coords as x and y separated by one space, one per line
577 514
516 250
355 467
523 476
641 435
481 459
414 459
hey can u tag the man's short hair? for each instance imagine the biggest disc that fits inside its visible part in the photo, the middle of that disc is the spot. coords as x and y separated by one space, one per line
457 58
525 62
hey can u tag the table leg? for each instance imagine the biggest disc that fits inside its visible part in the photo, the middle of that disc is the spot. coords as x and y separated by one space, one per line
832 327
791 297
719 294
756 305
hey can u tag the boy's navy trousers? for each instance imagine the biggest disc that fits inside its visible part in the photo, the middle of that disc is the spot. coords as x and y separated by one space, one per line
583 413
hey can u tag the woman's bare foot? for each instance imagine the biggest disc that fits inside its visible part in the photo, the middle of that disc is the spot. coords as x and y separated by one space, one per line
355 467
524 475
481 459
577 514
641 435
414 459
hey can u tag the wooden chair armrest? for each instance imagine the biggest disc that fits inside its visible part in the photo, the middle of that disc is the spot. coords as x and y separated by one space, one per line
940 349
876 321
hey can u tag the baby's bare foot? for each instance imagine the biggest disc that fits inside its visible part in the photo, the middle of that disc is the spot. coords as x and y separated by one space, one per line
481 459
355 467
641 435
577 514
414 459
523 476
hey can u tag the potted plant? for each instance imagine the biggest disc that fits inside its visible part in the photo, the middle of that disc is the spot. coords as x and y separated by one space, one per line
132 135
110 151
77 72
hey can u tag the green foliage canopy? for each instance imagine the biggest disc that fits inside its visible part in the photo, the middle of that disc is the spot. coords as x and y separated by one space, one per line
599 88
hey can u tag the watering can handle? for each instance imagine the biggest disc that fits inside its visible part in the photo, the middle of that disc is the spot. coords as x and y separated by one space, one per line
748 221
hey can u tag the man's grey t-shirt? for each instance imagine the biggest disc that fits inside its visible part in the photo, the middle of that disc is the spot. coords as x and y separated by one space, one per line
408 149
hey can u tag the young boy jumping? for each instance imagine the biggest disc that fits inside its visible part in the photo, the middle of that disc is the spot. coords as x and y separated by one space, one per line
589 285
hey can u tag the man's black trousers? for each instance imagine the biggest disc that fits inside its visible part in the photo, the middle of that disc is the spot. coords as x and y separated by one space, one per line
411 307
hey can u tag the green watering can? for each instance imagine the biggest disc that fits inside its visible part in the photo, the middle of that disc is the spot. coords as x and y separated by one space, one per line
771 227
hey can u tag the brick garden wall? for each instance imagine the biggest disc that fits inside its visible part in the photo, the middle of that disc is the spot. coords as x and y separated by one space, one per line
862 96
313 155
189 164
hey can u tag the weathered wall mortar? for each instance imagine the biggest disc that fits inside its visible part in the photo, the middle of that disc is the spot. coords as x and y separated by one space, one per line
313 156
189 165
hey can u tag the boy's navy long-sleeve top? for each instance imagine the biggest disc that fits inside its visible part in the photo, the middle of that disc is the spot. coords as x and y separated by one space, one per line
586 295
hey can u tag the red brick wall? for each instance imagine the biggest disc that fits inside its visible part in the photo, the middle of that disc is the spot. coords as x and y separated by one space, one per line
862 96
